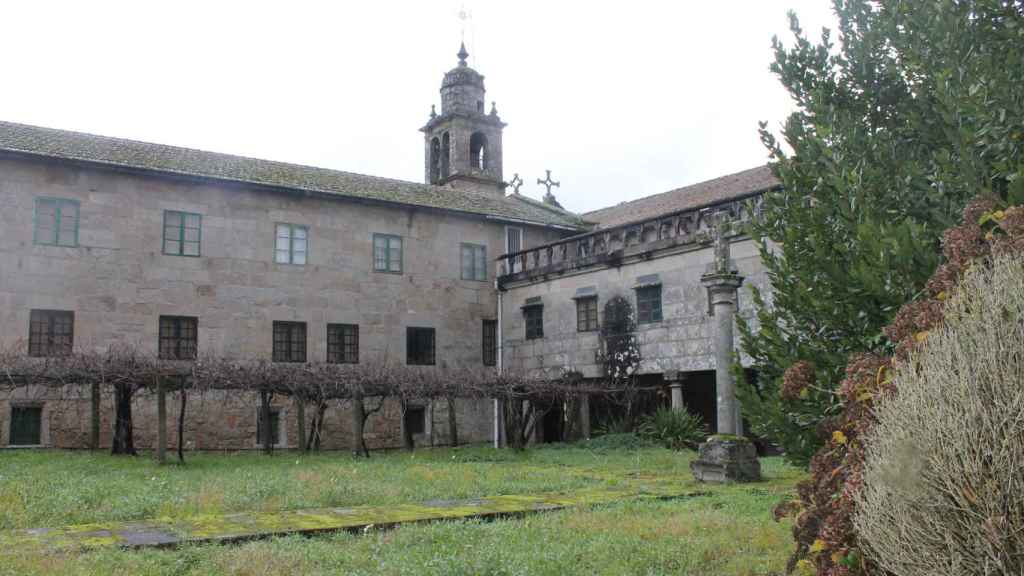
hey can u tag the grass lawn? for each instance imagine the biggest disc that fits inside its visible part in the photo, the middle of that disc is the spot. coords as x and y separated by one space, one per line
727 532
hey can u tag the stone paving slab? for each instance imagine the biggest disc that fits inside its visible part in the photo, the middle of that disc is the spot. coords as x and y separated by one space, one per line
170 532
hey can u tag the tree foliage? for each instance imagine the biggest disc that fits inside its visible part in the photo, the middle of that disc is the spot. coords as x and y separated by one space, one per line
916 109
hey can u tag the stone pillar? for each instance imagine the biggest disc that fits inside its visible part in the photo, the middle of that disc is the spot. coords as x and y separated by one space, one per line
161 421
677 396
585 416
722 293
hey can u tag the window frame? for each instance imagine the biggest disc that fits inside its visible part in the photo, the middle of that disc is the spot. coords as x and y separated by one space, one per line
587 305
57 218
291 243
181 235
534 327
489 342
39 429
178 338
640 298
475 275
289 355
38 349
388 238
413 335
338 340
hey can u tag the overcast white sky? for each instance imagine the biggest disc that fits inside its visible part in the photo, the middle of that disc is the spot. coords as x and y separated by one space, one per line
619 99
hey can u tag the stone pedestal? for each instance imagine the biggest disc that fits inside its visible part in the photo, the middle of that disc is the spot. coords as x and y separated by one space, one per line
677 396
726 459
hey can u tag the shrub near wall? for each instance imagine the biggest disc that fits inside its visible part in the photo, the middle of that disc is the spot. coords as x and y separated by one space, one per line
827 543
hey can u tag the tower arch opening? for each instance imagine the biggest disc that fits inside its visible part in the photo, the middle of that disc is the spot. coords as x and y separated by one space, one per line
478 151
446 149
435 160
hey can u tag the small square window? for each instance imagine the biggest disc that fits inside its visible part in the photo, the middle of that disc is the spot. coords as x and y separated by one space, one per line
26 426
343 343
474 262
56 222
51 332
419 346
490 342
289 342
291 244
534 317
275 426
648 304
415 420
182 233
179 336
586 314
387 253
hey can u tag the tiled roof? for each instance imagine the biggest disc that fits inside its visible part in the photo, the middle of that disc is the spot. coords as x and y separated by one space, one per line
705 193
158 158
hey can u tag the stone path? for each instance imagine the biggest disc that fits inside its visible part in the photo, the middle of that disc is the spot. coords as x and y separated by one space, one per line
223 528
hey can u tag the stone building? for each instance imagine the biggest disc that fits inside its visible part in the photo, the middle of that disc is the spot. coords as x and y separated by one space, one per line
105 240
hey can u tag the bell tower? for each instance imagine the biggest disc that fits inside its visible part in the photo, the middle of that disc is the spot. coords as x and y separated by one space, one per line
463 142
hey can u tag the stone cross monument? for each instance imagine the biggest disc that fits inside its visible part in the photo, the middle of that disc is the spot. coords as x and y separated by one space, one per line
726 456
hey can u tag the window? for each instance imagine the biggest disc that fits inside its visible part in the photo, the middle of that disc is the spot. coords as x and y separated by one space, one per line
419 346
178 337
513 244
415 420
289 341
586 314
387 253
275 426
291 243
182 233
343 343
490 342
478 149
534 316
648 304
474 262
56 222
50 332
26 426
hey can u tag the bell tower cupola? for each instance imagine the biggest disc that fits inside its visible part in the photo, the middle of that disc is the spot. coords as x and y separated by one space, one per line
463 142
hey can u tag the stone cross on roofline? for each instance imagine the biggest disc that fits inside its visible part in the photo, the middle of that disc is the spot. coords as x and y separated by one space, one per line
515 183
547 182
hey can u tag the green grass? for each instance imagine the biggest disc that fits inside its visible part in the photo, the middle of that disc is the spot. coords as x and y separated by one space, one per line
728 532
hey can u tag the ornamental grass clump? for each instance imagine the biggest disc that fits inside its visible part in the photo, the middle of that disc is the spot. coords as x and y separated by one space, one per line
943 479
673 429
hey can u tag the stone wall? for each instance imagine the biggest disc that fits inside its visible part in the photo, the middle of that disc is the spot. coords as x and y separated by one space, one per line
682 341
217 420
118 282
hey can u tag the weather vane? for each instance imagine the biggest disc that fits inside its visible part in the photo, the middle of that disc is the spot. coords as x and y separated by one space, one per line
464 15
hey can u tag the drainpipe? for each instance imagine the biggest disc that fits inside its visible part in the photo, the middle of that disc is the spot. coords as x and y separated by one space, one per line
499 352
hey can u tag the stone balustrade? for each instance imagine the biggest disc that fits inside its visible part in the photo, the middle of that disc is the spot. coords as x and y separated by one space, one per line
610 246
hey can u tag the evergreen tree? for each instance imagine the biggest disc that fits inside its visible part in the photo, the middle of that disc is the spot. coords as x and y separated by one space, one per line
918 108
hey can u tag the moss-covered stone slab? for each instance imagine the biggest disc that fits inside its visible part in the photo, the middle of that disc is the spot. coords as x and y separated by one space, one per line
169 532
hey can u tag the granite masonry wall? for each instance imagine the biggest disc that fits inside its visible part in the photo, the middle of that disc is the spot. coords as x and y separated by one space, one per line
118 282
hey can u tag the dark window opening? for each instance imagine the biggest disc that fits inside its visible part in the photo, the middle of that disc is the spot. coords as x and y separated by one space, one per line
446 149
419 346
648 304
343 343
415 420
478 151
586 314
534 316
289 342
26 426
490 342
480 106
275 426
435 161
179 336
51 332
